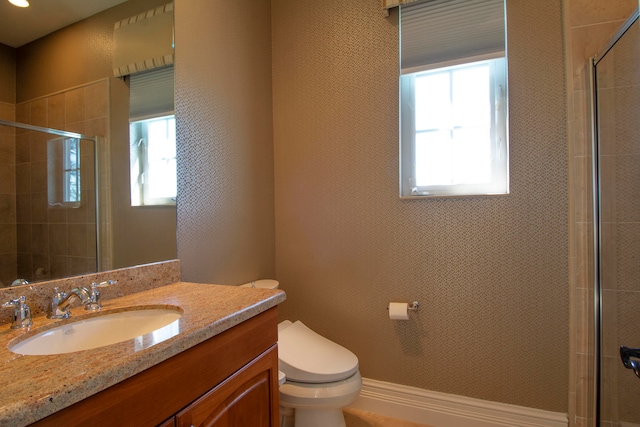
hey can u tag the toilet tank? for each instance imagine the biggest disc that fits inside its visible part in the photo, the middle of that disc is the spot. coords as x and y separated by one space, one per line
263 284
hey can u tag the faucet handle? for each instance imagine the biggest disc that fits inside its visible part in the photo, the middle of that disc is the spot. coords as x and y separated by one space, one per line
103 284
58 296
94 304
21 312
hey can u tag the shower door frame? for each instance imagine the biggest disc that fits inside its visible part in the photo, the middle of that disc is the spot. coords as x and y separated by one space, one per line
94 140
596 173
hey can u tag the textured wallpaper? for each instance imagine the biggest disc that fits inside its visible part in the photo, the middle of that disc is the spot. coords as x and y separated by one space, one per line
225 144
491 273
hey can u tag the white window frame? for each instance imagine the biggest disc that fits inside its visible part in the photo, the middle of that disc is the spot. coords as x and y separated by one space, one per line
140 168
499 142
150 98
440 35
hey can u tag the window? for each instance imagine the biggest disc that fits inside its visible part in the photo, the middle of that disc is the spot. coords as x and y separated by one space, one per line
152 138
453 99
63 164
153 161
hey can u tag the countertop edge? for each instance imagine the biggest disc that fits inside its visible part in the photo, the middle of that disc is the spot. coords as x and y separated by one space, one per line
25 411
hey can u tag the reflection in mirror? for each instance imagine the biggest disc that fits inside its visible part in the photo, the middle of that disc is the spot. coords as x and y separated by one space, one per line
65 80
49 214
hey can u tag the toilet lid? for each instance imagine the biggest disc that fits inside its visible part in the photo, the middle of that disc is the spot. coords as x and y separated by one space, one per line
304 356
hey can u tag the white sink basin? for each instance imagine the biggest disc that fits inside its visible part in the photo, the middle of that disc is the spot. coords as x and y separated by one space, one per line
102 330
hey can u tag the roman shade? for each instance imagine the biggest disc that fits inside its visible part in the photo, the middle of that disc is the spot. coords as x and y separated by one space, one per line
144 41
438 33
151 93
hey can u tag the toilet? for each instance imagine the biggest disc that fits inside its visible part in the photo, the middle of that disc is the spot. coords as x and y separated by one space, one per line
320 376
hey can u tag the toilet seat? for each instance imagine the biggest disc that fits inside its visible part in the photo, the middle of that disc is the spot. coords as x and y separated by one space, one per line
307 357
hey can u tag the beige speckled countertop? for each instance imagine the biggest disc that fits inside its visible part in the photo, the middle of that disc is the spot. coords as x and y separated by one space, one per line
33 387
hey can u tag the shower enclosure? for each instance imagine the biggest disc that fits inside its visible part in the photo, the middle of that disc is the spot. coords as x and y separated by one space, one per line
616 100
48 203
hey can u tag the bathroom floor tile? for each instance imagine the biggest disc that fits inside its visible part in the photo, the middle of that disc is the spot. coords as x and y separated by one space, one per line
357 418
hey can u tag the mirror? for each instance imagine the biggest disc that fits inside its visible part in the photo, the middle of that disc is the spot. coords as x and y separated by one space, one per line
65 81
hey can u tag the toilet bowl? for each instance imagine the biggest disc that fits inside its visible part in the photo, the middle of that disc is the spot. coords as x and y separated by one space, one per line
322 377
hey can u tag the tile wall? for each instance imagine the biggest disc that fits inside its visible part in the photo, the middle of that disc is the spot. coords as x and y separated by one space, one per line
51 241
8 254
589 24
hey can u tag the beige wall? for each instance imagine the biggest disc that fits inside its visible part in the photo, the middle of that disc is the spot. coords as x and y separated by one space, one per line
75 57
225 143
490 273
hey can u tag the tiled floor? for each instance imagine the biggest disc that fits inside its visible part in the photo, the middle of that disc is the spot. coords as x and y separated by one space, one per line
356 418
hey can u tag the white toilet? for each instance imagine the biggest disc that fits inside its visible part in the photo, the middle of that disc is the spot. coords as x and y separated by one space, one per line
322 377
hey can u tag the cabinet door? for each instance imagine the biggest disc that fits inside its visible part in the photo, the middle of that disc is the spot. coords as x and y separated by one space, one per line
247 398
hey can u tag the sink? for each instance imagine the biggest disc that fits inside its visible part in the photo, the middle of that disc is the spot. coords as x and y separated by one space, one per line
101 330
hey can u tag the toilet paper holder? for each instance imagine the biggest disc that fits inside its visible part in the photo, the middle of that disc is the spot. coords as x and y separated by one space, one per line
412 306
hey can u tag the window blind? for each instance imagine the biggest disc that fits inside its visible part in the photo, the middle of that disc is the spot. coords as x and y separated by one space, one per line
151 93
438 33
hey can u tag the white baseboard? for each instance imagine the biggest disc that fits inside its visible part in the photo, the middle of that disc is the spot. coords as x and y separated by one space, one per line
447 410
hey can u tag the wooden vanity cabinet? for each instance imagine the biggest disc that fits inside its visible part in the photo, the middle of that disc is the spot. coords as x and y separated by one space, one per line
230 380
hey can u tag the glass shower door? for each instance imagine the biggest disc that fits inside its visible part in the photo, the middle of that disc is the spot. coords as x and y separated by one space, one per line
617 83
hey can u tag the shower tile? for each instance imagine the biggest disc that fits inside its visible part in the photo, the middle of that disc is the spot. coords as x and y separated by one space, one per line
608 202
23 267
39 177
7 178
23 208
58 239
91 241
38 145
39 206
581 188
8 208
96 127
77 240
23 178
625 255
607 121
23 149
97 100
23 112
609 301
56 110
80 265
75 106
57 214
58 266
79 215
8 267
585 12
581 131
7 238
39 112
626 124
78 127
7 148
588 41
40 238
24 238
608 257
7 111
626 189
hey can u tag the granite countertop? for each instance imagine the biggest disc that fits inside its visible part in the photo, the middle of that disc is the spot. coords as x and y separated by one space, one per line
33 387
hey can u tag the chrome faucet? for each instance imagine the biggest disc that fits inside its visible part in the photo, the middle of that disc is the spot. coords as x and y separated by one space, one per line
21 313
90 298
62 301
